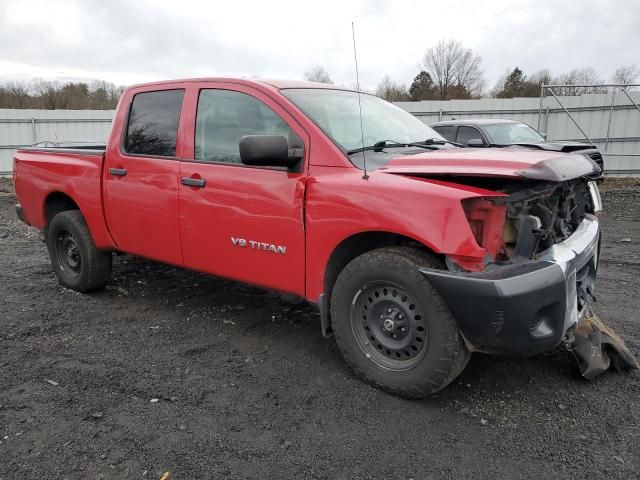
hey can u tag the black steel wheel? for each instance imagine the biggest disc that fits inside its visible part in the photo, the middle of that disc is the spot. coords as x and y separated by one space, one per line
77 262
391 325
67 254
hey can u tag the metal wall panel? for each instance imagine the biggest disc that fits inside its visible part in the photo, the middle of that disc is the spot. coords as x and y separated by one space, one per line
25 127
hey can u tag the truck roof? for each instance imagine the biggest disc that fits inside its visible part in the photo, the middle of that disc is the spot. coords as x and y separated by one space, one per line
278 84
476 121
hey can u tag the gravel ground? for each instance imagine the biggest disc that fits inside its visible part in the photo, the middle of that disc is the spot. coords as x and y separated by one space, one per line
168 370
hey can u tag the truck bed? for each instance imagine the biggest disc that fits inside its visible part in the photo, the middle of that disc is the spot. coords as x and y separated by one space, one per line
42 174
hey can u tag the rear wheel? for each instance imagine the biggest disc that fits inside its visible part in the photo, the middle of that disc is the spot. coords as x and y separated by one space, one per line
392 327
77 262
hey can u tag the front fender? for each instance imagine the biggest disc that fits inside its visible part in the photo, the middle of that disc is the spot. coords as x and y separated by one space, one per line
340 203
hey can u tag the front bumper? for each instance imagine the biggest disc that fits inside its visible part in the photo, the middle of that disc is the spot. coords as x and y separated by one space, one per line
527 307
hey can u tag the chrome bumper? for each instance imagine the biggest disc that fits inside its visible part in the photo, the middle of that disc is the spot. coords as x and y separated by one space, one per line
525 307
577 256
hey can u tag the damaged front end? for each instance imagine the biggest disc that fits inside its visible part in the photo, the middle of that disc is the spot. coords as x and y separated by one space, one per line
538 282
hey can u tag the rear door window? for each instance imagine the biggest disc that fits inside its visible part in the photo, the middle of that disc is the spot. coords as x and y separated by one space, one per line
447 131
152 128
467 133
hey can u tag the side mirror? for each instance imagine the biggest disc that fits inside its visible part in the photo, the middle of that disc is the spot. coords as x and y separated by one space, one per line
268 151
475 142
543 135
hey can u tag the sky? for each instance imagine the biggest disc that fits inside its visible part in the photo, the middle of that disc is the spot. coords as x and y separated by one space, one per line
125 41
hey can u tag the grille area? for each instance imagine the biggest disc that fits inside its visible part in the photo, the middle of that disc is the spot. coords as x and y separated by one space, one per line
548 214
597 158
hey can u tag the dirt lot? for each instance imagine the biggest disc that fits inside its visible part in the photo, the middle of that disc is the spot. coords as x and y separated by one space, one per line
169 370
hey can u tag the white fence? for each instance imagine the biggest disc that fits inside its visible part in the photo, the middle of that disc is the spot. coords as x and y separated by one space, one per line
26 127
590 111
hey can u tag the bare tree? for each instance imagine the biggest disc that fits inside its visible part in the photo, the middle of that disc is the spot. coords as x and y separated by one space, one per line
454 69
392 91
579 76
40 93
18 93
317 74
541 77
626 74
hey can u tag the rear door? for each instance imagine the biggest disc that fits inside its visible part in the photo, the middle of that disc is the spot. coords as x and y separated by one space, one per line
141 178
238 221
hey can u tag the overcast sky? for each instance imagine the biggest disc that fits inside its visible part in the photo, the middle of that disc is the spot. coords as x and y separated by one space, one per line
127 41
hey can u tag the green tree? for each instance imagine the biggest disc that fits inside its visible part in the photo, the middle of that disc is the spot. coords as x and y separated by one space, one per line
422 87
514 84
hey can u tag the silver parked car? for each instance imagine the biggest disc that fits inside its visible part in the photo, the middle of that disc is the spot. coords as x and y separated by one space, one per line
493 132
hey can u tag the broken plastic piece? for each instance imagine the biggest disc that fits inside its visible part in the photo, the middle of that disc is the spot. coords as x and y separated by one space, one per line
597 347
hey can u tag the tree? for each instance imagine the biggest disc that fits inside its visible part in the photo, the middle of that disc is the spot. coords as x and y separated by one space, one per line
579 76
514 84
541 77
39 93
318 74
391 91
454 69
18 94
422 87
626 74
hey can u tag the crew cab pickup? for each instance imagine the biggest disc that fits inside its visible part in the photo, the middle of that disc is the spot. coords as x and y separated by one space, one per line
416 252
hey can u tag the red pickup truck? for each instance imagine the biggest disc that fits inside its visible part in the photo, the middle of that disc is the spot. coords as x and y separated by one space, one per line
416 252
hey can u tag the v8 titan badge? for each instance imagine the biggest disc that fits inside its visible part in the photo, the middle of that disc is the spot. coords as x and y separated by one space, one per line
264 246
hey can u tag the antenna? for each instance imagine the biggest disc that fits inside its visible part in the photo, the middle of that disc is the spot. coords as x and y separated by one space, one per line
355 58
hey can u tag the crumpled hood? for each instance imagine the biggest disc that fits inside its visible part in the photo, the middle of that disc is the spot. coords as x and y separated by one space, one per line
559 146
494 162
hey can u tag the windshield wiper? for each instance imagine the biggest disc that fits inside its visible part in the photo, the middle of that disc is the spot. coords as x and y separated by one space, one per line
436 141
382 144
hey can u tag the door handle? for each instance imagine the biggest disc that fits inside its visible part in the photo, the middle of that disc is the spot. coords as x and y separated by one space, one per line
193 182
117 172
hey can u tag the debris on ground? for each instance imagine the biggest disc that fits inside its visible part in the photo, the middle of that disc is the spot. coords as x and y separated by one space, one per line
597 347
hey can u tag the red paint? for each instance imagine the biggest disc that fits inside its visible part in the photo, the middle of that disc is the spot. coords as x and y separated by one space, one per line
150 213
487 223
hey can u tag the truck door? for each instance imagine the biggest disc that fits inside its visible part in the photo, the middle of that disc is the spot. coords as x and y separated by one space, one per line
238 221
141 178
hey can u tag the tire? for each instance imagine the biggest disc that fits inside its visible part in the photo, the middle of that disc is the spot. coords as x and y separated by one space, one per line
78 264
376 296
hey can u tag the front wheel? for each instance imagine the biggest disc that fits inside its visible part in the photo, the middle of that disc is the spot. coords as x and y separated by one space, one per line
78 264
391 325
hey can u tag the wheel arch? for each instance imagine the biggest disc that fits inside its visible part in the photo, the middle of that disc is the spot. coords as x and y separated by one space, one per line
360 243
56 202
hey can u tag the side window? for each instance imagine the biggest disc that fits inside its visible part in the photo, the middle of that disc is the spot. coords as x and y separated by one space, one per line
447 131
467 133
152 128
225 116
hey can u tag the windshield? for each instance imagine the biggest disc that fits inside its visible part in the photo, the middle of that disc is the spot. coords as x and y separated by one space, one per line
337 113
510 133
